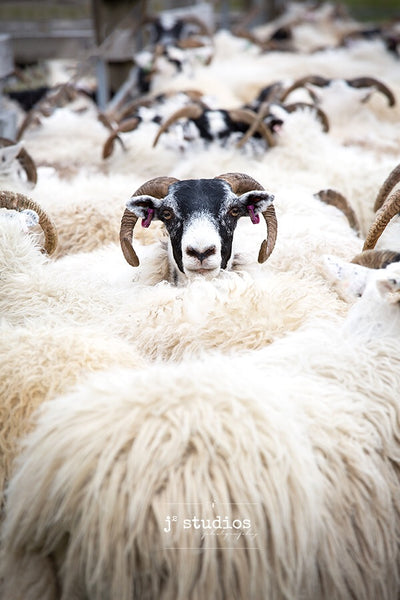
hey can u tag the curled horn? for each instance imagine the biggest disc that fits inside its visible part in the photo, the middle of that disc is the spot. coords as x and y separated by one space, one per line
241 183
334 198
255 120
191 111
157 187
360 82
388 210
303 81
16 201
392 179
376 259
320 113
24 159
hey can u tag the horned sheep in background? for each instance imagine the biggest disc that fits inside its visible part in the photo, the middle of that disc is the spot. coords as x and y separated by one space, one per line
218 124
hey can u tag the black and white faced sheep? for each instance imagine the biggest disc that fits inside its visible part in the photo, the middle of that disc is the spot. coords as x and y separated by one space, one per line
200 217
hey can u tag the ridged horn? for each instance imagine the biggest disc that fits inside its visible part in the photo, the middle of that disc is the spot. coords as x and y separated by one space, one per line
391 180
157 187
17 201
387 211
190 111
24 159
361 82
334 198
241 183
376 259
323 119
255 120
312 79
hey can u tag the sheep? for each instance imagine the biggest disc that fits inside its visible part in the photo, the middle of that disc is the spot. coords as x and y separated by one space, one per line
175 42
57 96
271 102
170 29
302 28
217 124
32 283
77 149
269 312
244 308
359 279
164 452
127 116
355 82
38 363
386 32
200 217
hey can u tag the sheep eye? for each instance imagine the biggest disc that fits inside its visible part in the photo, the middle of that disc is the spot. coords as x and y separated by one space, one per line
234 212
167 214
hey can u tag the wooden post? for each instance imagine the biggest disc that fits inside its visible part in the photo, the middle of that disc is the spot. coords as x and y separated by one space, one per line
109 16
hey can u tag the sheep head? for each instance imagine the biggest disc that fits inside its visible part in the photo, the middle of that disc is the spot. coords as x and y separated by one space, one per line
218 123
200 216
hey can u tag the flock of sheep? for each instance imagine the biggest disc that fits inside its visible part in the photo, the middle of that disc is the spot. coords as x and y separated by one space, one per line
207 406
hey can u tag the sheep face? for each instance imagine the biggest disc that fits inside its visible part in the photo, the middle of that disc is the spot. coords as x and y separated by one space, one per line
200 216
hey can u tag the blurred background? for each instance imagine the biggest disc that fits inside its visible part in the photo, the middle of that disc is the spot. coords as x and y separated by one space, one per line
42 29
106 36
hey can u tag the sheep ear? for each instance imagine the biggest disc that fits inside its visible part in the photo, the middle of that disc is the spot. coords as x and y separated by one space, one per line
350 278
256 201
144 207
9 153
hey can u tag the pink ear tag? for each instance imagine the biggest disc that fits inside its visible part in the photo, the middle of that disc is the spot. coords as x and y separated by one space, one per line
147 220
254 218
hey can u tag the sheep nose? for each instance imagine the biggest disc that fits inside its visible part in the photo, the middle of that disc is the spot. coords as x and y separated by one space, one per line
201 255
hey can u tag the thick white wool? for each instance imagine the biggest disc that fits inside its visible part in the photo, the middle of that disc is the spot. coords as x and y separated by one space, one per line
40 362
234 312
317 450
256 398
78 140
166 321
